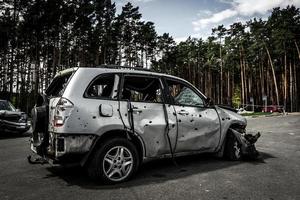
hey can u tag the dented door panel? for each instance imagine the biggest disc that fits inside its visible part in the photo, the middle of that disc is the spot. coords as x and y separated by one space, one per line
149 123
199 129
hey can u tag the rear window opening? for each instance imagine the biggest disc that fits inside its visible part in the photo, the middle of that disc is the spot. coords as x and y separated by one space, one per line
103 87
58 85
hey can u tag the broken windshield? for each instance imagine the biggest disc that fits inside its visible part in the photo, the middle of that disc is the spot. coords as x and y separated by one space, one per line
5 105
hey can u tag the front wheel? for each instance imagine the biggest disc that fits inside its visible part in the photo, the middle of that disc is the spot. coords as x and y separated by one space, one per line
233 148
115 161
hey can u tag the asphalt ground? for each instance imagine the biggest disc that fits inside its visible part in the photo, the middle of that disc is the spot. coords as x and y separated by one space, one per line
275 175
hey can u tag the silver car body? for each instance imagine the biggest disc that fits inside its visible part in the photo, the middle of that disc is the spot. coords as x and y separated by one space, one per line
181 130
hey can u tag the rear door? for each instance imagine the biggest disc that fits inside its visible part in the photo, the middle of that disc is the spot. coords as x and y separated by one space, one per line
143 94
198 125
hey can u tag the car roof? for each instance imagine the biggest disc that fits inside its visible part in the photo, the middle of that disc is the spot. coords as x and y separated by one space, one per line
118 69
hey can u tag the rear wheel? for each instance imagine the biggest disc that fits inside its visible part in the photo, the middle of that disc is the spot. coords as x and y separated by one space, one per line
115 161
233 148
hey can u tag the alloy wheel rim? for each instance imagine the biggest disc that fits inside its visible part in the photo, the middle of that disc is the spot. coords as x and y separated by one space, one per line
237 150
117 163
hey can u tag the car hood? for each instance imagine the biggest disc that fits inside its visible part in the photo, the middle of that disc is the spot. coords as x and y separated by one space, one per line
229 114
4 114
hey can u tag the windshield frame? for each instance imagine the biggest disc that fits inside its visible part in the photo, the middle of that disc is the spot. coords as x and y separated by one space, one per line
9 106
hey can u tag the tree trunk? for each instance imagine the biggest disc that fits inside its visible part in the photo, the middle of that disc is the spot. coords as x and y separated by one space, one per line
242 79
221 74
274 76
285 81
291 87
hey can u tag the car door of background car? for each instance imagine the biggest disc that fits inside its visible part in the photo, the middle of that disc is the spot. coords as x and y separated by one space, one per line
198 125
144 93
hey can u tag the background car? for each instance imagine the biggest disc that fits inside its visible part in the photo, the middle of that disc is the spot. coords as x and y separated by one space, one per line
12 119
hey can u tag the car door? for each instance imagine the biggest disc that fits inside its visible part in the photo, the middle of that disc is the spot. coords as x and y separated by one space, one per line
198 125
142 107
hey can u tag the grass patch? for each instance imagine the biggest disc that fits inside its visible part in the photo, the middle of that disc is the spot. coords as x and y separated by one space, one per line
256 114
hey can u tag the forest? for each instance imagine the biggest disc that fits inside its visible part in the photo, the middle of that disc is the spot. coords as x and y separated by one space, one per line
236 65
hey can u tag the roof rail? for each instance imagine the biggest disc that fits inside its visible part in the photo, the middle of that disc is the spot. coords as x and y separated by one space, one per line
124 67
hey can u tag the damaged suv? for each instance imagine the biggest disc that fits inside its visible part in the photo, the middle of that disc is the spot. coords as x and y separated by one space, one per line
110 119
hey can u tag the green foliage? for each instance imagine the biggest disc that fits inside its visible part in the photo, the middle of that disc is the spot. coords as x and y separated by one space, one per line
236 99
38 38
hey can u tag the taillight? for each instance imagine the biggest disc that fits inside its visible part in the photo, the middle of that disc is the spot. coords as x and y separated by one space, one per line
58 121
62 105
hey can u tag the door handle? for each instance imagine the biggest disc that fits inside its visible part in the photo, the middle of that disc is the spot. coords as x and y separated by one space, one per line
183 112
136 110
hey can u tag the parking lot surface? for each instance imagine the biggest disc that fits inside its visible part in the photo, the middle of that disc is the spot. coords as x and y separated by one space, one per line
275 175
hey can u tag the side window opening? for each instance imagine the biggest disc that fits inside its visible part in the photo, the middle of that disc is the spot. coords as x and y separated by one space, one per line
183 95
142 89
103 87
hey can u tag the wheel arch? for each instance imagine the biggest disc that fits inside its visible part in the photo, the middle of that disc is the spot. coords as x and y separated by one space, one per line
236 126
133 137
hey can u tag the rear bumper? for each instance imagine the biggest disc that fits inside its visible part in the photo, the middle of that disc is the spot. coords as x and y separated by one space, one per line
62 146
9 126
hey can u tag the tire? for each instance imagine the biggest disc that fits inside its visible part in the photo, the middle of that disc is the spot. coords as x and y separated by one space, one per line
233 148
115 161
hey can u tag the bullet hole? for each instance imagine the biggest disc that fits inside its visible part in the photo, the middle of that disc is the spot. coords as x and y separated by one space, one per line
146 125
191 120
179 120
223 119
228 118
174 113
125 115
200 115
77 110
150 122
84 126
94 117
157 142
173 125
78 118
145 106
118 110
196 129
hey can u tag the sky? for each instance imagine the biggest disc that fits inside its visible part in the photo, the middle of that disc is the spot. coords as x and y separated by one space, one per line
196 18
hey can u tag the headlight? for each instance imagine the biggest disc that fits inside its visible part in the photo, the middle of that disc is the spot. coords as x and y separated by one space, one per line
23 118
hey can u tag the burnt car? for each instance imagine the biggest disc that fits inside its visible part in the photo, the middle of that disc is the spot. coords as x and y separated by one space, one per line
11 119
111 119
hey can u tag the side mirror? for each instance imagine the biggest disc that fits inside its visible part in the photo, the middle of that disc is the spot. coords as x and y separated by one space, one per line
105 110
209 102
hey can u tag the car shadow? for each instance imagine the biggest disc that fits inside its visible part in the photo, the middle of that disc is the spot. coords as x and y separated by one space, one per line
12 135
153 172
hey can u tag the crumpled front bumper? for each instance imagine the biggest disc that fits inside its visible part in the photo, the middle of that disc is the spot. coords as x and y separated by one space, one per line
9 126
248 142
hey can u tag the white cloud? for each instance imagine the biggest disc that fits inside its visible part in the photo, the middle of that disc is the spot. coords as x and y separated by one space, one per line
196 35
215 18
143 1
242 8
